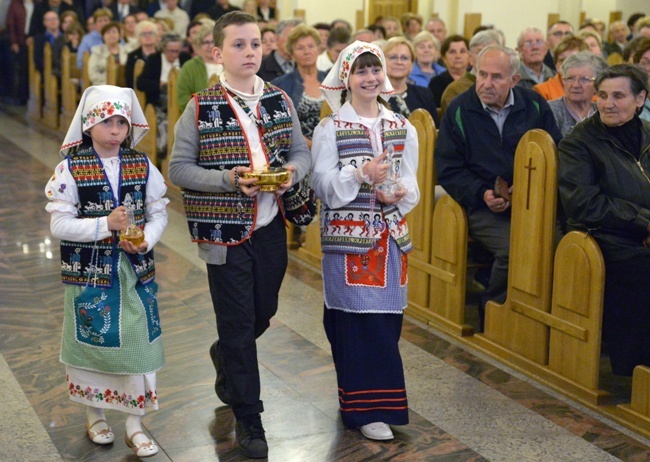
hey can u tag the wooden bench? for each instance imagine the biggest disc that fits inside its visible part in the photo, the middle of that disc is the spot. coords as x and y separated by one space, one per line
35 102
50 91
420 218
70 76
115 73
516 325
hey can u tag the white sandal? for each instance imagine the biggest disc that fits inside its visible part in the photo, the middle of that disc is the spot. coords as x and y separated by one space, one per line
141 449
104 436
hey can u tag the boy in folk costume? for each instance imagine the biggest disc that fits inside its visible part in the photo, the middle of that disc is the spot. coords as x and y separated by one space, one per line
111 344
241 123
364 264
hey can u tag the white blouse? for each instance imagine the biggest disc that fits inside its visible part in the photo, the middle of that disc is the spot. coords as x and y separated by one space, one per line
336 188
63 194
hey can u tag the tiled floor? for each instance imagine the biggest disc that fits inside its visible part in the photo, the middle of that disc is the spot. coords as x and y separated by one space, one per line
462 407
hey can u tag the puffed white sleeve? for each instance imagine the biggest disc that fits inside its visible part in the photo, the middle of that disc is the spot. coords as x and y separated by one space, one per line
335 187
155 207
63 205
409 171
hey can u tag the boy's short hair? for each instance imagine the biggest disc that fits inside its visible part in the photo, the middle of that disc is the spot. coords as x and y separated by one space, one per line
237 18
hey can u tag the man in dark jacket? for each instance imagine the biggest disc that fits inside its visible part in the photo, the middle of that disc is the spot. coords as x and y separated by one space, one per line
279 62
478 139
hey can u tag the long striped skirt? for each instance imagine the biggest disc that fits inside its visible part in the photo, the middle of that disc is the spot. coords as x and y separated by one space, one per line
368 366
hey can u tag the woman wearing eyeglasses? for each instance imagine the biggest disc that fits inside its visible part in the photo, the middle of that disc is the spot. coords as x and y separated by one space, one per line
579 72
553 87
407 98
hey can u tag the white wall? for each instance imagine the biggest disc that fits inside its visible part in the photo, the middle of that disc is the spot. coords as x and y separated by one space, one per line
512 16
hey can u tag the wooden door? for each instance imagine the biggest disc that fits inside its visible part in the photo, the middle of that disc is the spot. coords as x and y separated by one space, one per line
390 8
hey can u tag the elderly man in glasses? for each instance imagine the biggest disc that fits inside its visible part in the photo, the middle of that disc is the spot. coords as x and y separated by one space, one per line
532 49
554 36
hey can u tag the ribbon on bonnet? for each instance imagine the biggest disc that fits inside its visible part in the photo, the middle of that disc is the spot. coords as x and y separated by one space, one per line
100 102
337 78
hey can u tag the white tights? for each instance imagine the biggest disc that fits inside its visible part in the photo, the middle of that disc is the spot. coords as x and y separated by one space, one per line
133 423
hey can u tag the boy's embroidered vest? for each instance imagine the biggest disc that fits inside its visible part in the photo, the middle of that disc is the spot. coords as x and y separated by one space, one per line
97 199
229 218
355 227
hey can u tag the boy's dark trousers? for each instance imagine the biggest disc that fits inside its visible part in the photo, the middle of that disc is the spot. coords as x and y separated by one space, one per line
245 297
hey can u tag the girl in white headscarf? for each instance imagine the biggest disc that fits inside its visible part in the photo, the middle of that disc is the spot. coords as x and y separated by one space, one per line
365 165
111 343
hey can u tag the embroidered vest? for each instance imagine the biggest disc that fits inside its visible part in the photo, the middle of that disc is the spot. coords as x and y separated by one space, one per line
97 199
355 227
229 218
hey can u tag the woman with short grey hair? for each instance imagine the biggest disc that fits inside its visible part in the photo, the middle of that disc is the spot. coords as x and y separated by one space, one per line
579 72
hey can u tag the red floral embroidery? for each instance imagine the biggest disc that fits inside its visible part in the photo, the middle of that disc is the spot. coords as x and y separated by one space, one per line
112 396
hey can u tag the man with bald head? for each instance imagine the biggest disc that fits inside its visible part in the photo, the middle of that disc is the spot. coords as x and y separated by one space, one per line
477 142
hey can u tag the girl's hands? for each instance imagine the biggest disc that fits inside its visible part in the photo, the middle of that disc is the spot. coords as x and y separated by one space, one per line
128 246
117 220
376 169
394 199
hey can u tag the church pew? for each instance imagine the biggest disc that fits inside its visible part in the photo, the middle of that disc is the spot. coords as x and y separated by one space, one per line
115 73
447 268
35 102
517 324
638 411
70 75
137 70
85 77
173 111
50 91
420 218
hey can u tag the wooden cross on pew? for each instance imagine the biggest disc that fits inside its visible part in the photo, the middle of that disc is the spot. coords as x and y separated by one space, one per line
530 169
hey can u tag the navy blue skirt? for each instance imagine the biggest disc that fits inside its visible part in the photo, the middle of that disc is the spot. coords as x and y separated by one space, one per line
369 368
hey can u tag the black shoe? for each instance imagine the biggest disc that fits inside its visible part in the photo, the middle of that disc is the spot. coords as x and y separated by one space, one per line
250 437
220 387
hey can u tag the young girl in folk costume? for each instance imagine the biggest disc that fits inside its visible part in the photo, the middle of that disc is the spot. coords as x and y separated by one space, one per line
364 271
112 344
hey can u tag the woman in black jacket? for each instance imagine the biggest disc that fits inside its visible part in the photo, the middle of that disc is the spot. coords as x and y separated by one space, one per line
604 184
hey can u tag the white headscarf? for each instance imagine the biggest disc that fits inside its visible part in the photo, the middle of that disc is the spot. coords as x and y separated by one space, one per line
337 78
100 102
